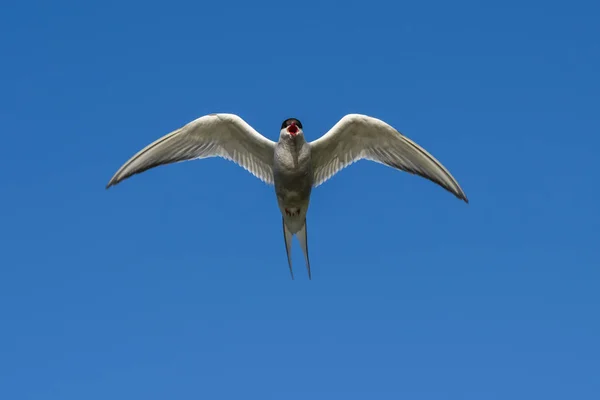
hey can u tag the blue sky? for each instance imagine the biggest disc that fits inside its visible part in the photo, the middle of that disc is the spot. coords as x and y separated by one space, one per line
174 284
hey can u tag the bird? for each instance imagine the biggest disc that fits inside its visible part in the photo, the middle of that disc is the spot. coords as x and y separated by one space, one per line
292 165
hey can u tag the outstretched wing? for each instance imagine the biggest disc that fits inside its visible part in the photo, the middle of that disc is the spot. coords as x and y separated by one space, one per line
214 135
357 137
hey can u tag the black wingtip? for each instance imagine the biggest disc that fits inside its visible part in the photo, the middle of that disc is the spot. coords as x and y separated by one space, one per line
461 196
112 183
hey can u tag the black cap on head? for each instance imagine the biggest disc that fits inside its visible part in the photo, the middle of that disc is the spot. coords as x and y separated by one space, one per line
289 121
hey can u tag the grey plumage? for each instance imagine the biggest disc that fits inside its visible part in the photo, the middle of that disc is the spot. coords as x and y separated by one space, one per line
293 165
293 177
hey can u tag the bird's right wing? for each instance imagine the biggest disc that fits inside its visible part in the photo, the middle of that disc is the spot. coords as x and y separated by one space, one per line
357 137
215 135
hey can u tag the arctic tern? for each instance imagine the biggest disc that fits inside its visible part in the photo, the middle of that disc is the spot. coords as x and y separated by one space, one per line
293 165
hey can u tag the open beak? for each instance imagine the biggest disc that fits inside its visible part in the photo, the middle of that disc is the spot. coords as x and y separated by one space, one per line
292 129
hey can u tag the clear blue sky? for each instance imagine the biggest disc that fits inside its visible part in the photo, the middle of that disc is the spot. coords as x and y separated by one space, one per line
174 284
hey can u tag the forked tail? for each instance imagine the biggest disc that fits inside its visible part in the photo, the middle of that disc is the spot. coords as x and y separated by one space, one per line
302 238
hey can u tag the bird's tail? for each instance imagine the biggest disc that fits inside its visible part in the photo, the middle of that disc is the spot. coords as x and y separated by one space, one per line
302 238
287 236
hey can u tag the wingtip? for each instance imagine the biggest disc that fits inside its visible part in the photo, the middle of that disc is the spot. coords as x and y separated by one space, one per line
461 196
113 182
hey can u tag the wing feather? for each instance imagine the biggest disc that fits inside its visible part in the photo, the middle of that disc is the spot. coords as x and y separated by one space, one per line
356 137
215 135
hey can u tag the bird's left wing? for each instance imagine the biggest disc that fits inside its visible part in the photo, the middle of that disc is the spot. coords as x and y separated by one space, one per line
357 137
214 135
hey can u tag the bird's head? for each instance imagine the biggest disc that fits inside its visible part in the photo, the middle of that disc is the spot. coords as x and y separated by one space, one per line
291 128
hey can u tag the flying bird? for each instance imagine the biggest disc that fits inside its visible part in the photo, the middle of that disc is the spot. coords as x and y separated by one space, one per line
293 165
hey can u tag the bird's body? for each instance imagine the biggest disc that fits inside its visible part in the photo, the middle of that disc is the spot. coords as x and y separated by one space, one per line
293 179
293 165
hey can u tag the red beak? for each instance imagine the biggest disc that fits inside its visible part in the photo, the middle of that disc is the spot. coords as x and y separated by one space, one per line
292 129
